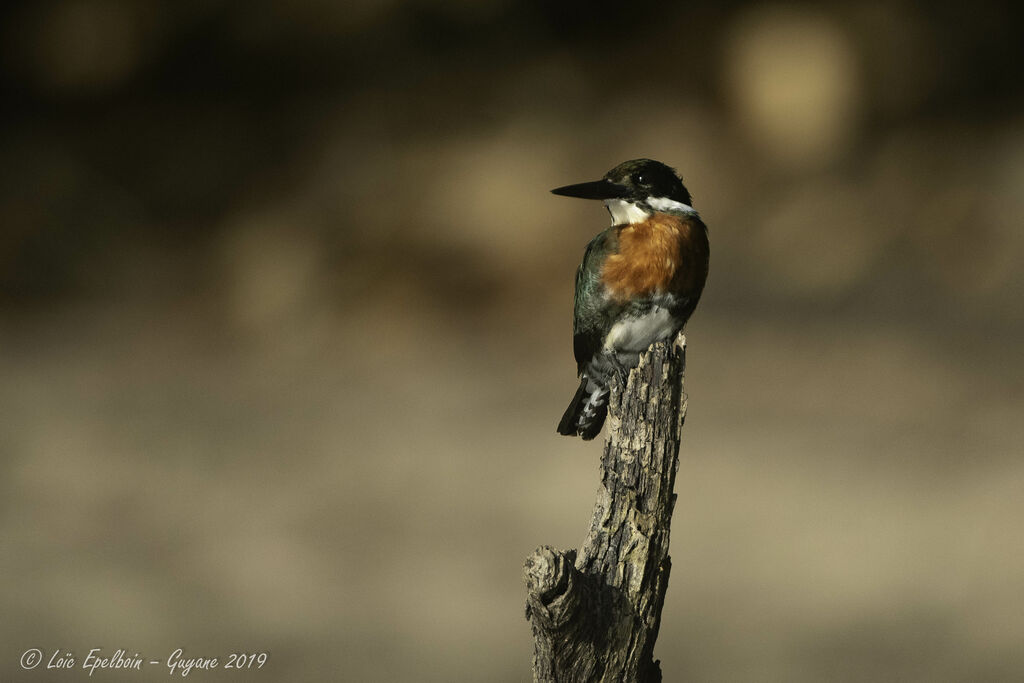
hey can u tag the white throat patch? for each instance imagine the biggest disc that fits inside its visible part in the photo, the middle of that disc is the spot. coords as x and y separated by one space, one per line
627 213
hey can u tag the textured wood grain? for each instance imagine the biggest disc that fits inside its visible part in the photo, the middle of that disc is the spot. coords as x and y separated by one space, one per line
595 614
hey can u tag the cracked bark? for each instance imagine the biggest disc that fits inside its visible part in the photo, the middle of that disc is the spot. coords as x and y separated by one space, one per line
595 613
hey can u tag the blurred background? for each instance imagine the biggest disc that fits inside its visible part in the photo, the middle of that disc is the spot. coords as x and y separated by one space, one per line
285 330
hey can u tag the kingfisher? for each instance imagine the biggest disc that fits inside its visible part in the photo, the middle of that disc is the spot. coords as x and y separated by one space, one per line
639 281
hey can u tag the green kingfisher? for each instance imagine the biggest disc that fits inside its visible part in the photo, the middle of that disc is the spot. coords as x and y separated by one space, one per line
639 281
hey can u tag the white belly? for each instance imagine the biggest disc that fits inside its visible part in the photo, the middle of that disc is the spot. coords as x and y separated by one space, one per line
636 334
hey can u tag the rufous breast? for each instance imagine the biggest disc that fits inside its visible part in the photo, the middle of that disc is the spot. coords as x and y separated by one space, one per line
662 254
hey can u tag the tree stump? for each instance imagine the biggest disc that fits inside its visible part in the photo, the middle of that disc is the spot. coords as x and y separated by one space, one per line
595 614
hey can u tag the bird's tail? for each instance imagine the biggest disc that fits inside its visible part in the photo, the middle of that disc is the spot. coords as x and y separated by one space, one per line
587 410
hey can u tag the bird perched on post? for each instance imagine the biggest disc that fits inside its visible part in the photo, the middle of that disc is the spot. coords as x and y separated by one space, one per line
639 281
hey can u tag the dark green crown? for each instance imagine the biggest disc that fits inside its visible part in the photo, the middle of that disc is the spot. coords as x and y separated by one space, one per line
649 178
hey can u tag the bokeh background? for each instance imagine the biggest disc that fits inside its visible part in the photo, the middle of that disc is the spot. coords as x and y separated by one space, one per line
285 330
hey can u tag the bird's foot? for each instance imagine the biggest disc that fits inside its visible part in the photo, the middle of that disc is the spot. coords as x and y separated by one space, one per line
621 370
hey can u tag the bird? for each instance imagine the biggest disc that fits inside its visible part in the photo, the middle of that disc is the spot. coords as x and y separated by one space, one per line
639 282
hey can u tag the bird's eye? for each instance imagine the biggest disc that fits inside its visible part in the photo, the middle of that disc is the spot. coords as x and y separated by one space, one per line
639 178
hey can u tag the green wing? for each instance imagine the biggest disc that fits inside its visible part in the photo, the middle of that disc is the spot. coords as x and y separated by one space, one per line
591 313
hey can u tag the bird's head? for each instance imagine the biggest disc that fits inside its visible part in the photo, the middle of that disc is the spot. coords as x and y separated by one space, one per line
634 190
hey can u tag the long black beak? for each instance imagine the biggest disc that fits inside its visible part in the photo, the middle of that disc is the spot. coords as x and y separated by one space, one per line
599 189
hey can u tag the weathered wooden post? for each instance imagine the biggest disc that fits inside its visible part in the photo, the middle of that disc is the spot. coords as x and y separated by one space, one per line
595 614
